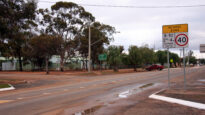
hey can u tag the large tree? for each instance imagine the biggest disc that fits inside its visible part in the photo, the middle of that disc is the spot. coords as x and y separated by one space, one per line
148 55
101 35
114 56
44 47
161 57
67 20
16 20
135 56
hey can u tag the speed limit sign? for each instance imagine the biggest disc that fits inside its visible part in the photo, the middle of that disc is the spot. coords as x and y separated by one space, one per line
181 40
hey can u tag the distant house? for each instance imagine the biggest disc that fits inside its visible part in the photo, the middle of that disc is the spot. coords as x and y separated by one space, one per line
12 64
6 64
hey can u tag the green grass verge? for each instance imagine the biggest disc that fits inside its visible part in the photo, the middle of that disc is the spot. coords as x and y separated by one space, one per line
4 86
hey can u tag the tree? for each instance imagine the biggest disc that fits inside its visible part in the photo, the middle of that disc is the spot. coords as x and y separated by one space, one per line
135 56
202 61
44 46
161 57
16 20
175 58
101 35
193 60
66 20
125 59
114 57
148 55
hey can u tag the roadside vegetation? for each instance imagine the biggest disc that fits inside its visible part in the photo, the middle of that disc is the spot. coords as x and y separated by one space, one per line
4 86
33 36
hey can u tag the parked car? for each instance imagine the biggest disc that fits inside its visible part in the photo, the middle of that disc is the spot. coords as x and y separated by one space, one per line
154 67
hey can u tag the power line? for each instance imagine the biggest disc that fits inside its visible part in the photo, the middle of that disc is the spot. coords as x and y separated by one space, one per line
119 6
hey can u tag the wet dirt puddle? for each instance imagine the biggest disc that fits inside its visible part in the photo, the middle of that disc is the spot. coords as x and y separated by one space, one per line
122 92
134 90
89 111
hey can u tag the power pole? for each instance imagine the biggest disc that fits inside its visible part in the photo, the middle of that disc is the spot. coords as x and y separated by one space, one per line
89 50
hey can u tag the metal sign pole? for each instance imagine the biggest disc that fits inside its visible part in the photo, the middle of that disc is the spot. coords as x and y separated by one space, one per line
184 69
168 67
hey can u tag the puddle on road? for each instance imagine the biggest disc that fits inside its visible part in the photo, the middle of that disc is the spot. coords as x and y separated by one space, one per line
134 90
89 111
117 93
202 80
146 85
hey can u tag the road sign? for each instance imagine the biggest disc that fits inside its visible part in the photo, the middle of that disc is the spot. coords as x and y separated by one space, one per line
168 40
175 28
171 60
202 48
102 57
169 34
181 40
175 36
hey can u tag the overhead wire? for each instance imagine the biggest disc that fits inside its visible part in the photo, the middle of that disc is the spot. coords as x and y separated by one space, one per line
127 6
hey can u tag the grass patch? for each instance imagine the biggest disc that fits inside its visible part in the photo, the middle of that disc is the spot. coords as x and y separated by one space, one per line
146 85
4 86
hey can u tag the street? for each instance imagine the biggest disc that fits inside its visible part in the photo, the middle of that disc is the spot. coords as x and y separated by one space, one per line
80 96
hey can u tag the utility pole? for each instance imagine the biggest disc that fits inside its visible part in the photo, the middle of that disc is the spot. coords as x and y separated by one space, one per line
89 50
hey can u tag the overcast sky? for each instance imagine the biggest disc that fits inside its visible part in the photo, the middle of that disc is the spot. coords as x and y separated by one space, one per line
139 26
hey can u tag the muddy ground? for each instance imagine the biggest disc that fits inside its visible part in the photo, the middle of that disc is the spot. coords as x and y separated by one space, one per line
36 79
140 104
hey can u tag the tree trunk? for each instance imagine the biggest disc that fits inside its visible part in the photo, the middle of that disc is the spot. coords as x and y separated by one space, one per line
20 61
93 65
135 68
47 71
86 64
62 63
115 68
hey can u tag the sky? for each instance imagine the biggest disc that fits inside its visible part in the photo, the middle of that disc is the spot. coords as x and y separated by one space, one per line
140 26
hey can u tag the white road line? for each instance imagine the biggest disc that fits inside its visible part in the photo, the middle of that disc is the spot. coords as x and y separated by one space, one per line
178 101
6 89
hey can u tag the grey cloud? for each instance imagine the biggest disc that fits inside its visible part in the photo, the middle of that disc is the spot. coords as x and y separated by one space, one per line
140 26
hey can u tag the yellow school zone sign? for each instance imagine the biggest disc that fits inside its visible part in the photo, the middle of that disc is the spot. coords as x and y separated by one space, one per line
175 28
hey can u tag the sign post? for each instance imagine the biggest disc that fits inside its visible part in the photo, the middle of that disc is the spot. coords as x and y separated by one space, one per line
184 69
168 67
175 36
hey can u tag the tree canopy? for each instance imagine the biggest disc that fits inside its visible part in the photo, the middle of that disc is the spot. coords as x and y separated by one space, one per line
114 56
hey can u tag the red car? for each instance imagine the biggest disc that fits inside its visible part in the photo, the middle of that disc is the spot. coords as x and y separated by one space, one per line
155 67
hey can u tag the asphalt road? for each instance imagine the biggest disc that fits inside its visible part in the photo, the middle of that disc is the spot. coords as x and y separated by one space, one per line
106 88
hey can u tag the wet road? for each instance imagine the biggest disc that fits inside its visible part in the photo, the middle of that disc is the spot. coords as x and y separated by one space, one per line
106 88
